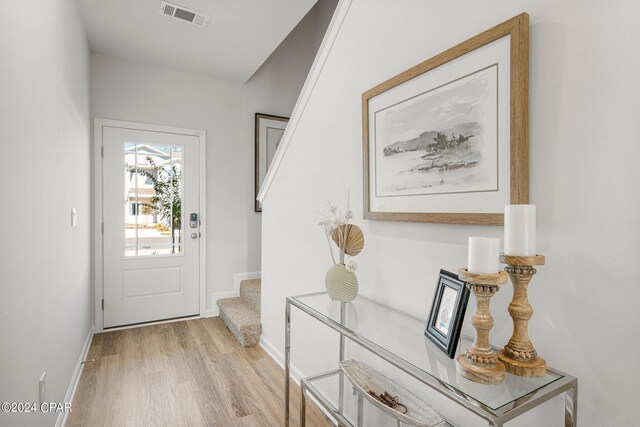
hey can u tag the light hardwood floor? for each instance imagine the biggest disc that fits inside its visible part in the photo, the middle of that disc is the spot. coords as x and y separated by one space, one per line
190 373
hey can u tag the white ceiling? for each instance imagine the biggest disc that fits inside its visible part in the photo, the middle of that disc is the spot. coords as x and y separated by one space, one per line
239 37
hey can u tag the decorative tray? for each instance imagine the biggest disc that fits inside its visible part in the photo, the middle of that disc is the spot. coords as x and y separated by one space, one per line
369 381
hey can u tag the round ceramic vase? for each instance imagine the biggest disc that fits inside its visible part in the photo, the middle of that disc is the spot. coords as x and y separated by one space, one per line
341 284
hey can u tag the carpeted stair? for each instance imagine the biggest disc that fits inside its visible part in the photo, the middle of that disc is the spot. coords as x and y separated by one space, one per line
242 314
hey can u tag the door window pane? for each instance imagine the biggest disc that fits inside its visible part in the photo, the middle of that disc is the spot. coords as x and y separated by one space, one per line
152 199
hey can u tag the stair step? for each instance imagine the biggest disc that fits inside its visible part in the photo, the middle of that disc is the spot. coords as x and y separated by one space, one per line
243 320
250 291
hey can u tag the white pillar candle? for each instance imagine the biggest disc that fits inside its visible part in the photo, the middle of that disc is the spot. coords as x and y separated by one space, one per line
484 255
520 230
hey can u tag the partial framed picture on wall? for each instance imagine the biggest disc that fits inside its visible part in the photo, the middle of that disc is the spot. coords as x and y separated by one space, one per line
447 140
447 312
268 134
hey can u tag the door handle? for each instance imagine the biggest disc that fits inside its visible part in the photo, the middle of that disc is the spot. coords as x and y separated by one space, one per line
195 235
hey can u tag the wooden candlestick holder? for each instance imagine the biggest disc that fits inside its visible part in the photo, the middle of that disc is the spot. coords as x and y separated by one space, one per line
518 356
480 363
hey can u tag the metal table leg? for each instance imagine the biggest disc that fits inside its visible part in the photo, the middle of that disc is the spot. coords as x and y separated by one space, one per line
343 309
287 360
303 405
571 406
360 422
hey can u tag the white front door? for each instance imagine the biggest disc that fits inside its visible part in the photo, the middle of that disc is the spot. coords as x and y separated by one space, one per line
151 226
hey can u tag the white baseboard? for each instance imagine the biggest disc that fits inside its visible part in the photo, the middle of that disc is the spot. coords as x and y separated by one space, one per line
237 278
214 310
276 355
75 379
296 374
142 325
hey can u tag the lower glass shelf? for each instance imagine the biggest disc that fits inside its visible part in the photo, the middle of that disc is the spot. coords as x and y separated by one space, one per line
330 388
403 336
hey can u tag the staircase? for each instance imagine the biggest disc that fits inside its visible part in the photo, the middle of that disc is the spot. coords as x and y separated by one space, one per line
242 314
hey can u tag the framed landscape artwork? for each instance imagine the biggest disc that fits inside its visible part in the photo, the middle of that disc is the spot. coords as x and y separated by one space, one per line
447 312
447 140
269 130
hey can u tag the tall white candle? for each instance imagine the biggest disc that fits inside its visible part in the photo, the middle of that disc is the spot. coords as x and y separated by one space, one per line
520 230
484 255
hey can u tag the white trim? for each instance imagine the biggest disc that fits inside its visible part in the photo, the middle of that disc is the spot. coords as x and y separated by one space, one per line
202 135
75 379
157 322
237 278
296 374
276 355
98 318
98 125
307 90
215 310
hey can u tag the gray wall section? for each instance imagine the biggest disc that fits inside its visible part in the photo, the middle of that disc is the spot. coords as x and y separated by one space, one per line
44 171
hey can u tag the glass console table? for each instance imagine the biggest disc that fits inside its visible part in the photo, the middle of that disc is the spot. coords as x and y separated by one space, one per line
399 339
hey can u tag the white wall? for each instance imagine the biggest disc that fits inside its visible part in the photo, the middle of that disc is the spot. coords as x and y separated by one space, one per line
44 172
127 90
584 66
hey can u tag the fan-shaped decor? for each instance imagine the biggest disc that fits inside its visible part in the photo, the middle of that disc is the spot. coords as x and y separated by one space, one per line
352 236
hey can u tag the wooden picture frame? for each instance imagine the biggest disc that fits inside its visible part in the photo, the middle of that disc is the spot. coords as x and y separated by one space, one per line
447 312
478 177
268 133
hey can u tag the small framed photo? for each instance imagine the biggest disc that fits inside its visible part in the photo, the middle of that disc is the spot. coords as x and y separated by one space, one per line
447 312
269 130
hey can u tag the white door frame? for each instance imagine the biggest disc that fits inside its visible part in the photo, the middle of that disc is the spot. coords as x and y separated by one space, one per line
98 274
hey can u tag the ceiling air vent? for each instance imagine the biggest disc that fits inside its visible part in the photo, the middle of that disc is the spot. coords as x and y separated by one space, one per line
173 10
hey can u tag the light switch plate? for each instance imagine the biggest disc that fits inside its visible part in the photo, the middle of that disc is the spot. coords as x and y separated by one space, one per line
74 217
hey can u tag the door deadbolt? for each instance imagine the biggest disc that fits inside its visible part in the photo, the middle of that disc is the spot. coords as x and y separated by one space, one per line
193 220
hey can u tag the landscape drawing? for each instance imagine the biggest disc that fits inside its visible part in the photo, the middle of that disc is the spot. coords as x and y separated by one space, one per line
441 141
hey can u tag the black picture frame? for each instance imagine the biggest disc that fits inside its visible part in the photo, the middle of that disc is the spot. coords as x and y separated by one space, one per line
446 333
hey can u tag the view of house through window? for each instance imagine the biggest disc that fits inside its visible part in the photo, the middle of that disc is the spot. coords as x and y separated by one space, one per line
153 199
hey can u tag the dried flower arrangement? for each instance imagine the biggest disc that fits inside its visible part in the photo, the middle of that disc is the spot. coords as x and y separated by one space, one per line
341 281
348 237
